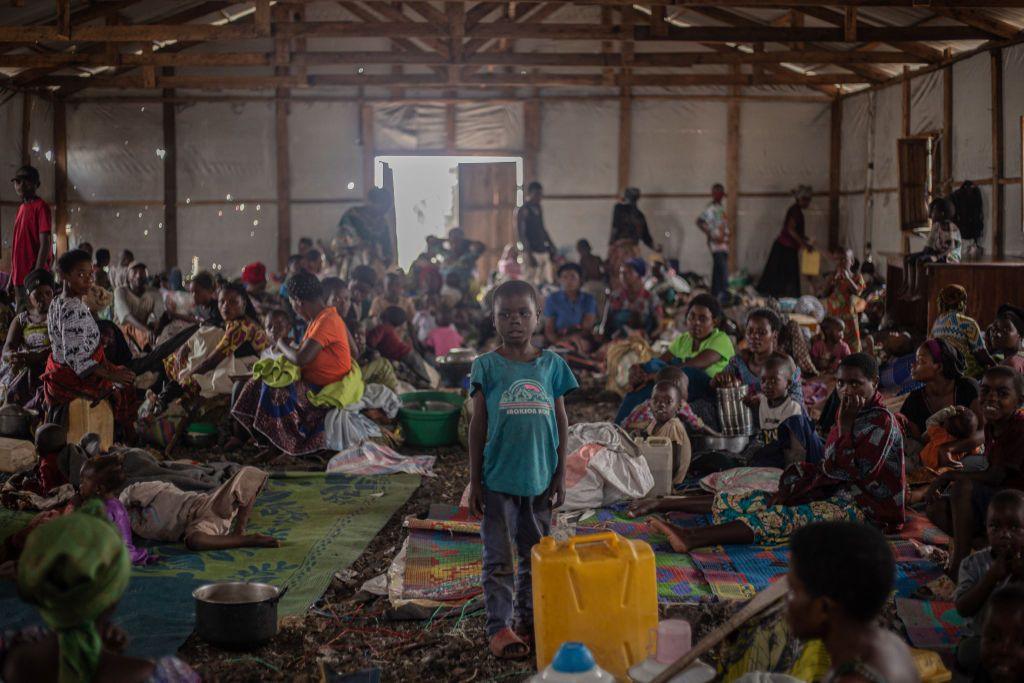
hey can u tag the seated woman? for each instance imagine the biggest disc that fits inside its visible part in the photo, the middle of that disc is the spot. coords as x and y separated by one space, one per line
958 499
941 368
74 570
861 478
28 342
631 305
703 350
1004 335
840 577
961 330
569 313
762 340
205 365
77 367
286 415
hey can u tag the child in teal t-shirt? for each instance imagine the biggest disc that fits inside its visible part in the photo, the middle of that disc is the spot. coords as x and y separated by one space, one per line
517 461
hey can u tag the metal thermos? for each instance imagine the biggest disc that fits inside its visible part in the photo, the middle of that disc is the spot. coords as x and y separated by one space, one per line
734 416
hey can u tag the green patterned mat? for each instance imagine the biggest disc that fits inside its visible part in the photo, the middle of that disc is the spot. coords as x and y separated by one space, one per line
324 522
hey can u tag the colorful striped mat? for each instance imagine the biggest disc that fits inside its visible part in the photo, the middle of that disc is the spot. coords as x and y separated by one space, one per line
930 625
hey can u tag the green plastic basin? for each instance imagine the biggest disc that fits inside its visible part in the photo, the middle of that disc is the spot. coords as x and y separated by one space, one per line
427 420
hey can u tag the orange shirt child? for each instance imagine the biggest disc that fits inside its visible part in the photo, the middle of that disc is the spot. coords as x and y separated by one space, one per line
335 359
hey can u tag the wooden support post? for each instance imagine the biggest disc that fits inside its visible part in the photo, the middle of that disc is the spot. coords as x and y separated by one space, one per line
262 18
449 124
850 25
732 169
148 72
60 174
659 27
284 206
998 227
625 135
26 128
947 129
170 180
64 19
905 131
835 170
532 133
366 138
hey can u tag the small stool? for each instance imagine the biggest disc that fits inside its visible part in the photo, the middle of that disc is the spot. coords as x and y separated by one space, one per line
84 417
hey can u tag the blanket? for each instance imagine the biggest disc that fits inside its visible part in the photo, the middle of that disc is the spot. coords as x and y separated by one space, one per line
324 523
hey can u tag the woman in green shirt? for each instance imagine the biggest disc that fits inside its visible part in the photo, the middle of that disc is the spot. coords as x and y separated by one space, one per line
703 350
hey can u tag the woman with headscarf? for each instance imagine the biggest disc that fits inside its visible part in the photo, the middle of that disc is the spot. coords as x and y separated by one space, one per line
288 401
28 341
205 365
1004 337
940 367
781 275
630 304
74 569
961 330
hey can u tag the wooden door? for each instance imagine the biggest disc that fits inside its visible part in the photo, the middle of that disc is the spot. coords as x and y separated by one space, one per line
487 204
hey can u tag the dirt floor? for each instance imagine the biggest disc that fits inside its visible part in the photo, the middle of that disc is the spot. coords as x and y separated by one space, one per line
350 631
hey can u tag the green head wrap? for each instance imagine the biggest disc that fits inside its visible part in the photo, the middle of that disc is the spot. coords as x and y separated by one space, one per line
74 569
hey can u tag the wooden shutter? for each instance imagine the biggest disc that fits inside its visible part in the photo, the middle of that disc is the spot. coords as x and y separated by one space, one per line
914 182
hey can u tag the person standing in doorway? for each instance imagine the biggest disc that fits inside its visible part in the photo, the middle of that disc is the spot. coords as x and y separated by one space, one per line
714 224
364 236
31 247
538 248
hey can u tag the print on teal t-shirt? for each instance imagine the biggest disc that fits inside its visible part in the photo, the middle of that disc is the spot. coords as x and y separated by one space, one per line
520 455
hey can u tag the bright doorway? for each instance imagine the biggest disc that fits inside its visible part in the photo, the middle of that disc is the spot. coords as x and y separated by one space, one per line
435 193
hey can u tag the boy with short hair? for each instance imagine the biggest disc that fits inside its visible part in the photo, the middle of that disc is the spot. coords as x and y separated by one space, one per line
30 246
985 571
517 441
1002 657
787 434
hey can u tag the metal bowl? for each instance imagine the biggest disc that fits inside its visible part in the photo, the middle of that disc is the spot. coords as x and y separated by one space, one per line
729 444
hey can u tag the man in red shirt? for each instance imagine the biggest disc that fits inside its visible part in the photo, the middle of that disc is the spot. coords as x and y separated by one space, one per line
31 247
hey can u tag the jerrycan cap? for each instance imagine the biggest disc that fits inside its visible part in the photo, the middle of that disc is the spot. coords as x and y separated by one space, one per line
573 658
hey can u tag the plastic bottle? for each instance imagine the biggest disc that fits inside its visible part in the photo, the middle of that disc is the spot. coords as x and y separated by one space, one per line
573 663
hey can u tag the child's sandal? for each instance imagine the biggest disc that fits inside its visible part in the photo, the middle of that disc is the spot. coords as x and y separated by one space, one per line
505 644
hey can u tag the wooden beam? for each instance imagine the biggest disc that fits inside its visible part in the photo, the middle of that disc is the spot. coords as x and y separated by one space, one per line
850 25
480 11
947 129
26 128
625 136
148 72
979 19
905 131
537 13
998 212
262 17
130 33
813 3
532 138
170 183
905 108
64 19
839 19
366 142
60 174
658 26
456 20
835 170
732 168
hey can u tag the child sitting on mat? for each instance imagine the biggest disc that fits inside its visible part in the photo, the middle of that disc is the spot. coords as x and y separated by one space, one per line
787 434
985 571
829 347
952 423
642 414
665 401
160 511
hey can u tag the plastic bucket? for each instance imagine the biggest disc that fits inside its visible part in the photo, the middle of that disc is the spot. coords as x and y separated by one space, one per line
424 424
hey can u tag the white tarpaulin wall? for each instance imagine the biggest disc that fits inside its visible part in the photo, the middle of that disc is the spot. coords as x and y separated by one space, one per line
679 148
872 126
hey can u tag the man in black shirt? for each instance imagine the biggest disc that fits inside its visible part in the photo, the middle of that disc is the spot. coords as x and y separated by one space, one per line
629 222
538 249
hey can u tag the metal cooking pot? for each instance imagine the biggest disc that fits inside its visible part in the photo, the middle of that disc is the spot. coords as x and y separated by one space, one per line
237 615
729 444
15 421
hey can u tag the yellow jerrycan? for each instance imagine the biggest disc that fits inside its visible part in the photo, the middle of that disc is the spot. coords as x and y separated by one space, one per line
598 589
